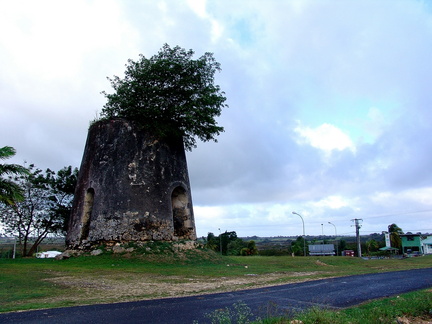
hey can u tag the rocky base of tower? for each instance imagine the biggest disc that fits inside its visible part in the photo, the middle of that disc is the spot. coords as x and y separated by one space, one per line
132 249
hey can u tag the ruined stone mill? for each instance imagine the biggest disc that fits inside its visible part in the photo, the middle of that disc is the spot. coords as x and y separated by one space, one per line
131 187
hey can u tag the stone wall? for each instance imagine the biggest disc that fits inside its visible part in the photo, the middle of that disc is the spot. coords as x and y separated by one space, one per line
131 187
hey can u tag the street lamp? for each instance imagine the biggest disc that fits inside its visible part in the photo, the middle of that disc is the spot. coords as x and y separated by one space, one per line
334 227
322 233
304 238
337 248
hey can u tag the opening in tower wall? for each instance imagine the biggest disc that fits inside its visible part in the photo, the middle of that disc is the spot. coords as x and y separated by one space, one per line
181 212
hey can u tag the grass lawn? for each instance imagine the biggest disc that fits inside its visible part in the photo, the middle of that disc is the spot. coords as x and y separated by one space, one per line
31 283
410 308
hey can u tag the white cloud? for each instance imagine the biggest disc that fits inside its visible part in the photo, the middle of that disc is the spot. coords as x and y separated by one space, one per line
419 196
325 137
52 40
199 7
333 202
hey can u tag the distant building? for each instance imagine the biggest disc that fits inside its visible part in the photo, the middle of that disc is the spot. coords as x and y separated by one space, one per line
349 253
416 243
321 249
427 245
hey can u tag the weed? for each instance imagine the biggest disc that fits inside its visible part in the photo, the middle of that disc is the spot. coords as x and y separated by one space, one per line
240 313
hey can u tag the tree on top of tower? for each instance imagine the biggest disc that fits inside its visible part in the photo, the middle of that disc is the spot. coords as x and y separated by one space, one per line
169 95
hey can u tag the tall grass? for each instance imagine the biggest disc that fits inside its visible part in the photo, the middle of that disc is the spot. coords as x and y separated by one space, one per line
415 305
405 308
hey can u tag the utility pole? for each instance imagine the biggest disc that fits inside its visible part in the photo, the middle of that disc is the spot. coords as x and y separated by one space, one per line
357 226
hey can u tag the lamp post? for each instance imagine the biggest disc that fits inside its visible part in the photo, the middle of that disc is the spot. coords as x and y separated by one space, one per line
389 233
304 239
322 235
337 248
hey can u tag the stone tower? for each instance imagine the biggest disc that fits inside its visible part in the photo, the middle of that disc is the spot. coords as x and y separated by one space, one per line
131 187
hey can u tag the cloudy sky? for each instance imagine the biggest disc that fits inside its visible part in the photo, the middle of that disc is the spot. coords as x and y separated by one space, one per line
329 102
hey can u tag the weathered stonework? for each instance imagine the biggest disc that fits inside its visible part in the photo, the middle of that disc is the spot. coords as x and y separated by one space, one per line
130 188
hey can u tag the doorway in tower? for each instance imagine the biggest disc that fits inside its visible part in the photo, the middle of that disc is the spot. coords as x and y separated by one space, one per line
181 212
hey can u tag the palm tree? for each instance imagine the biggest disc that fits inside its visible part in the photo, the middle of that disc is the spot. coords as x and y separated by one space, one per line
10 192
395 239
371 246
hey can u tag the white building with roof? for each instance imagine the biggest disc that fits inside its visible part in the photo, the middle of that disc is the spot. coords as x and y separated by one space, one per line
427 245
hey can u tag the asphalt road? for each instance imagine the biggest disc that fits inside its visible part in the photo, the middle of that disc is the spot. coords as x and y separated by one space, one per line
327 293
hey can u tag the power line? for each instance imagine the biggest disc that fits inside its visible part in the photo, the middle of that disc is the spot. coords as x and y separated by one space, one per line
401 213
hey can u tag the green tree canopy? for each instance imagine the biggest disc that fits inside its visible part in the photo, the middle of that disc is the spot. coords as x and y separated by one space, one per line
395 239
220 243
212 242
45 208
169 95
298 246
371 246
10 192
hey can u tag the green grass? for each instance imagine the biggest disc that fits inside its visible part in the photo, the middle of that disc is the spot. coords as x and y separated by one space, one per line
23 284
32 283
415 305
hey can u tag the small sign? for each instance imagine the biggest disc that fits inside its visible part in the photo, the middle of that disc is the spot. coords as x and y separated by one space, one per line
387 239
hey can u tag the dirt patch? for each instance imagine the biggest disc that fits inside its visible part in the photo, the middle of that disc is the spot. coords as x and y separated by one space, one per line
320 263
130 286
414 320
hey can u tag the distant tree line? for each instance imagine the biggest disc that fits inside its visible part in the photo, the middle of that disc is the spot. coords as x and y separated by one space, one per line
229 244
370 244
